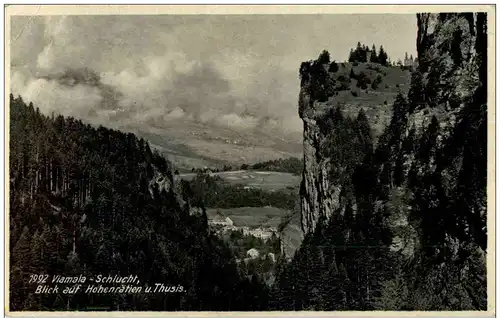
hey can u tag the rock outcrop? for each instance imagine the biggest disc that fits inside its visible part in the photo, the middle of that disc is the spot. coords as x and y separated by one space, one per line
319 196
452 67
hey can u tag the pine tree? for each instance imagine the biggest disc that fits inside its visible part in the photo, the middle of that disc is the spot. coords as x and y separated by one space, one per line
373 56
352 57
324 57
365 133
363 54
416 94
351 74
334 67
382 56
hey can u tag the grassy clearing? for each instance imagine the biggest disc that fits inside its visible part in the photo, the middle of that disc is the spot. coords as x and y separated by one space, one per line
377 103
265 180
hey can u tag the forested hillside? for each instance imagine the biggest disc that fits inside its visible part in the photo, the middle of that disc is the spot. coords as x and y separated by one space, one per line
91 201
401 226
290 165
209 192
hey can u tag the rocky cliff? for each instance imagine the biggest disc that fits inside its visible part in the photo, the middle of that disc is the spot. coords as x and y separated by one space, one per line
397 222
448 110
452 67
448 91
318 195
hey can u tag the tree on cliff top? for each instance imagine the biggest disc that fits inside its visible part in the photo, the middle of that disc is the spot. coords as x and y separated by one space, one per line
373 56
324 57
382 56
334 67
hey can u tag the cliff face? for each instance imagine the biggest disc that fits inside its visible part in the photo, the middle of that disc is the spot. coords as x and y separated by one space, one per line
319 196
449 104
448 89
452 66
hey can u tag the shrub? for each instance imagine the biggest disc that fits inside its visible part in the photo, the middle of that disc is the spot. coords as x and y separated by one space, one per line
321 84
333 67
345 83
354 93
376 82
363 81
374 68
351 74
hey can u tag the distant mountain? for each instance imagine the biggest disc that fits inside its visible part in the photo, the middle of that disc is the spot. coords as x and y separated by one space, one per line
195 145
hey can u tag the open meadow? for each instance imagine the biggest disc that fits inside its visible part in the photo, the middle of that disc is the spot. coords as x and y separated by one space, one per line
265 180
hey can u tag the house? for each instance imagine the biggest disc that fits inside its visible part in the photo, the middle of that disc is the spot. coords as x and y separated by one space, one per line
229 228
220 220
217 220
263 233
410 62
253 253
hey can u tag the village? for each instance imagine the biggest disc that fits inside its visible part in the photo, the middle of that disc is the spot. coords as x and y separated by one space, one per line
224 226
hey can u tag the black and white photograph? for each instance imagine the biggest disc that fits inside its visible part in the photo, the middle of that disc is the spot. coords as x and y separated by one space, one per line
249 158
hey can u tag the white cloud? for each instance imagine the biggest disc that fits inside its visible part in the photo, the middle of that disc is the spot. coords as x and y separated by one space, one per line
238 72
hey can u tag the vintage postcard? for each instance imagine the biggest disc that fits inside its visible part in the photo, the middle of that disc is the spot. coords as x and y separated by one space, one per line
250 160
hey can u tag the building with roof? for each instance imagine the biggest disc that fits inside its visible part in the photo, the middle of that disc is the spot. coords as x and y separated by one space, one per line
263 233
221 221
410 62
253 253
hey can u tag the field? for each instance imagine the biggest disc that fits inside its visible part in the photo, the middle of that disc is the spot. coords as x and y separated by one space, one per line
265 180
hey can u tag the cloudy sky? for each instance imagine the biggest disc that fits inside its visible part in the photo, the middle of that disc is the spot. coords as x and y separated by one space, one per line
233 71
